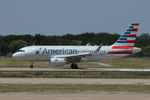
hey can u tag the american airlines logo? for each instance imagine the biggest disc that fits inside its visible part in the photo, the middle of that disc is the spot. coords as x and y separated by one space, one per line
37 52
59 51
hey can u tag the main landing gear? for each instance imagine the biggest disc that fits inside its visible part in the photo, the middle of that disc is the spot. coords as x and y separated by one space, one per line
31 65
74 66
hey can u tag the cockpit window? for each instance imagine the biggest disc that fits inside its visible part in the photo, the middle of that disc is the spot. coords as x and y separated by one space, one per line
21 51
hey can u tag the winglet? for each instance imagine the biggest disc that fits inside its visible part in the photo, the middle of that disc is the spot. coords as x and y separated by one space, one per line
98 49
88 44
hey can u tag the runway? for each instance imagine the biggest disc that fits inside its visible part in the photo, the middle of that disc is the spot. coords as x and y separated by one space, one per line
73 70
75 96
13 93
74 81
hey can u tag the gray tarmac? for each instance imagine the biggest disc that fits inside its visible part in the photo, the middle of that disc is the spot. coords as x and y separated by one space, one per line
127 93
74 81
75 96
73 70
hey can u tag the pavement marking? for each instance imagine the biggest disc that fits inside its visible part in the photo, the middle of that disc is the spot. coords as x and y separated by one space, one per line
103 64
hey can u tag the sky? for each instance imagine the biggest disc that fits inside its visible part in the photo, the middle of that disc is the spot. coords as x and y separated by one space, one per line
58 17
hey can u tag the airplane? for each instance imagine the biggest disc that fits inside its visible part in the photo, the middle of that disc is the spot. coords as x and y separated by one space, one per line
61 55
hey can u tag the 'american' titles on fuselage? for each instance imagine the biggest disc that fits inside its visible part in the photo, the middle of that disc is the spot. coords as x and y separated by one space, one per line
59 51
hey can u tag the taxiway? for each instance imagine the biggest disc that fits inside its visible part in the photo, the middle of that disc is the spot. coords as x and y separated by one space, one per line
73 70
74 81
75 96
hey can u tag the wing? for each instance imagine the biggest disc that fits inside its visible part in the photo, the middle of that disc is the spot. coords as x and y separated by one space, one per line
77 57
73 55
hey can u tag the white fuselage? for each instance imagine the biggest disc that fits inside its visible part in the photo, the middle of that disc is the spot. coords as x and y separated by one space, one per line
45 53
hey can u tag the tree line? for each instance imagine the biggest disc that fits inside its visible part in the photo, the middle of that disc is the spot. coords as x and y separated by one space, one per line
12 43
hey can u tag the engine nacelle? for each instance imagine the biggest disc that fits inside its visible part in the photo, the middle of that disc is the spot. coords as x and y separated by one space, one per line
58 61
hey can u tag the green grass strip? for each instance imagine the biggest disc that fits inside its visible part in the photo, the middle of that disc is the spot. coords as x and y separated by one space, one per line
136 75
73 88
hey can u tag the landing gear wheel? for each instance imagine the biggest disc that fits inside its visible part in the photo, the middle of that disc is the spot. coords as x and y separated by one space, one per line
31 65
74 66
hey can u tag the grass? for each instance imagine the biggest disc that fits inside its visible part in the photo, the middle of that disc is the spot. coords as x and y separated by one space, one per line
8 62
123 75
73 88
126 62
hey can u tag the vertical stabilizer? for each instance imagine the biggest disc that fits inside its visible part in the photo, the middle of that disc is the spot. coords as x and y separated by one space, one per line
125 43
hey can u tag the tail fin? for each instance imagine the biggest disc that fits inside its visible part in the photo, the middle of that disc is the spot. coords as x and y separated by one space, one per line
128 37
125 43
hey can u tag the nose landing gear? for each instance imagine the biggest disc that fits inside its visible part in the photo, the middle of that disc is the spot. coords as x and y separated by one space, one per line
31 65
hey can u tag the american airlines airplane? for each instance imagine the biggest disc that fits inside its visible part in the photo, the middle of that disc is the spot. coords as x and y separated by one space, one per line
61 55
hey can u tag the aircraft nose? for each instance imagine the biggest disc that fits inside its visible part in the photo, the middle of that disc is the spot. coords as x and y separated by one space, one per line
17 55
14 55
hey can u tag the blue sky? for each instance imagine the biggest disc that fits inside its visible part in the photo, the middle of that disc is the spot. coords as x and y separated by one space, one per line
58 17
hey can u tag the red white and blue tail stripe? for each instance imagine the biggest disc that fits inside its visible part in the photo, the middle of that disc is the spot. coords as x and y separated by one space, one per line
124 45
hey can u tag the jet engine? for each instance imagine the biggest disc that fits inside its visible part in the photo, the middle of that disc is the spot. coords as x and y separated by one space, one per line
58 61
